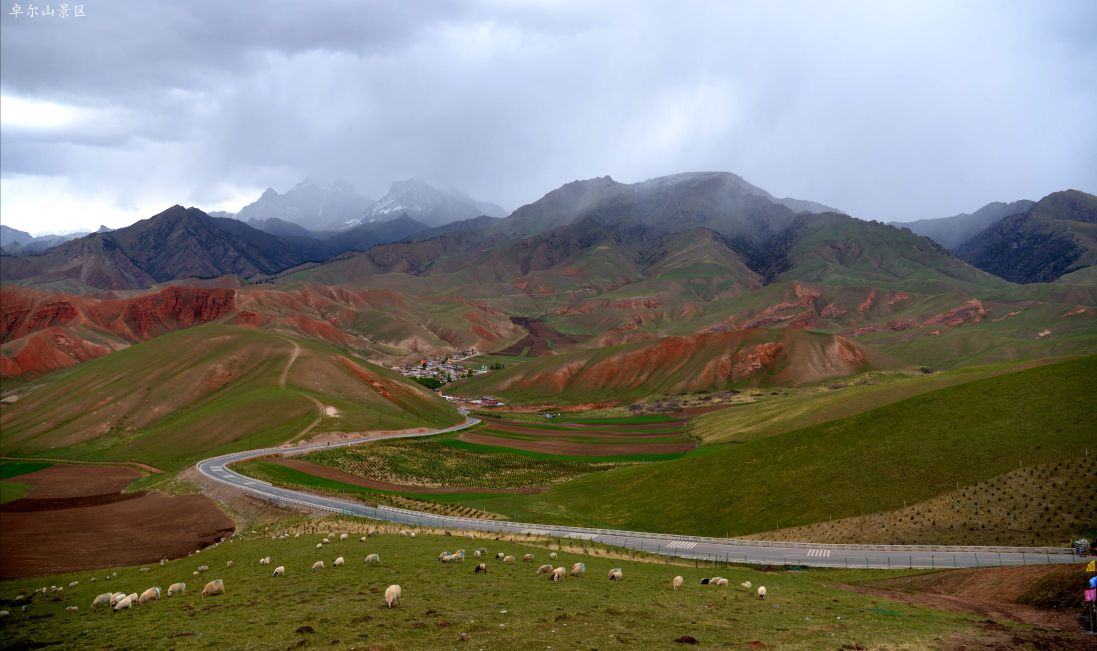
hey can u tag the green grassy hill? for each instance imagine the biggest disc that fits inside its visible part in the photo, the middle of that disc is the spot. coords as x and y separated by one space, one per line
214 388
448 606
880 460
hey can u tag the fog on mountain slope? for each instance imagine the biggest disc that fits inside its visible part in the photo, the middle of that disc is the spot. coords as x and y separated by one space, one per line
309 205
426 204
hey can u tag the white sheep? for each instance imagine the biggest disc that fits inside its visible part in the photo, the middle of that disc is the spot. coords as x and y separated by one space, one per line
362 539
279 571
412 534
214 588
342 536
229 563
552 556
143 569
5 613
616 574
152 594
203 568
482 568
325 541
177 588
528 558
499 556
719 581
265 560
579 569
103 600
392 595
73 584
508 559
746 584
761 592
677 583
558 574
442 556
339 562
319 545
133 597
318 565
124 603
116 597
71 609
544 569
373 558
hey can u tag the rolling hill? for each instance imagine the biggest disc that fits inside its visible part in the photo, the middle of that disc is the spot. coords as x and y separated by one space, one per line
951 232
211 388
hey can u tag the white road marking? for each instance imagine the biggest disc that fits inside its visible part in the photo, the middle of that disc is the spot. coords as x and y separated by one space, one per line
582 536
819 553
681 544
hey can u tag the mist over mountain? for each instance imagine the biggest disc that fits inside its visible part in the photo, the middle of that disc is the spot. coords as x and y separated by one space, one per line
309 205
427 204
951 232
14 241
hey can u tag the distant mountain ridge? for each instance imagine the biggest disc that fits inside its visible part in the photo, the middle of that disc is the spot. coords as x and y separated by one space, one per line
310 205
1054 237
951 232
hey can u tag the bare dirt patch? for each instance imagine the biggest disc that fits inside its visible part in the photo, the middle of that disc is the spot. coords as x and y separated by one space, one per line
541 340
576 429
347 478
74 518
990 592
567 448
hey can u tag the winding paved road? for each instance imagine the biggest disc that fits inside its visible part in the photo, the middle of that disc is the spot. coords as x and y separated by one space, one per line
692 547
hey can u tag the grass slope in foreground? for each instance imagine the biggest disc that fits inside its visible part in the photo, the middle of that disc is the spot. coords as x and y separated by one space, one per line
881 460
210 389
509 607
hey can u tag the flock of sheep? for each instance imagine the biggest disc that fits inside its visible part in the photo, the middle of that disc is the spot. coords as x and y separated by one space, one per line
119 601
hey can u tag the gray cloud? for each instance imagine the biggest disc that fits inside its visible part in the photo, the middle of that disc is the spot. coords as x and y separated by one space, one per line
887 110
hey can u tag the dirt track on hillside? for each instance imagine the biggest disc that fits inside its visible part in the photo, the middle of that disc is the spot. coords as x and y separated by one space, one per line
355 480
75 518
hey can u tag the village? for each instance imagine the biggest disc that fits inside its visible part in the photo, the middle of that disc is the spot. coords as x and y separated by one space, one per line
434 372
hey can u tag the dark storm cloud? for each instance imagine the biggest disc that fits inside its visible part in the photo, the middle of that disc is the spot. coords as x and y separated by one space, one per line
887 110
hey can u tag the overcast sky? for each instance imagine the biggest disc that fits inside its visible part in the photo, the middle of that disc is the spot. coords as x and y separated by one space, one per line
887 110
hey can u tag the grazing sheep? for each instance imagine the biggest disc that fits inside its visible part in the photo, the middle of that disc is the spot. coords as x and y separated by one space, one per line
325 541
203 568
103 600
544 569
720 581
71 609
123 604
558 574
319 545
745 584
133 597
412 534
152 594
677 583
116 597
373 558
508 559
339 562
528 558
552 556
279 571
616 574
265 560
342 536
705 581
177 588
499 556
579 569
442 556
482 568
318 565
4 613
143 569
229 563
392 595
214 588
476 553
761 592
362 539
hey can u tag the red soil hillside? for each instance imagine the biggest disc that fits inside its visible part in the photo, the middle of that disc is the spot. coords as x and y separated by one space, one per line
692 363
42 332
